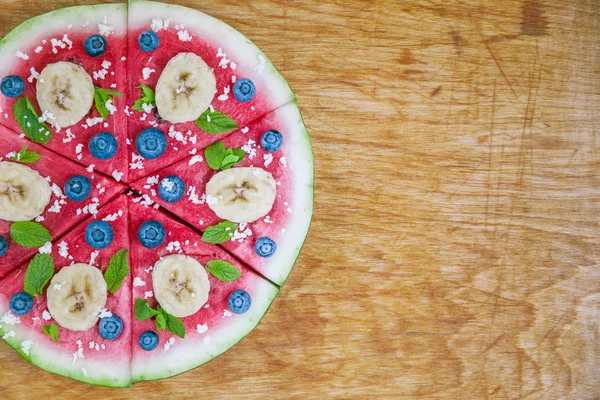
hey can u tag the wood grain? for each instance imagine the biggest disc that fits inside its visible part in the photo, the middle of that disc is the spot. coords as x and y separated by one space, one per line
455 247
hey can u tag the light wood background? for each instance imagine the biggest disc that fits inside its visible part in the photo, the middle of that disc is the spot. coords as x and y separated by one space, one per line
455 247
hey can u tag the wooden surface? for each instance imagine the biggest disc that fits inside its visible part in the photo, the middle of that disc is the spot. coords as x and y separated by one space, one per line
455 247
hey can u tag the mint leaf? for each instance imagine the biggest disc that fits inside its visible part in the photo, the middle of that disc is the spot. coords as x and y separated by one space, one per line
52 331
147 98
214 155
161 322
235 157
101 97
25 156
38 273
29 234
223 271
174 324
28 121
219 233
117 270
215 122
143 311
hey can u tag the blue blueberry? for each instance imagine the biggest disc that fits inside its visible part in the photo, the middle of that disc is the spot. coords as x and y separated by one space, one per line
3 246
21 303
12 86
148 41
265 247
152 234
151 143
148 340
103 146
95 45
99 234
171 189
78 188
244 90
110 328
271 141
239 301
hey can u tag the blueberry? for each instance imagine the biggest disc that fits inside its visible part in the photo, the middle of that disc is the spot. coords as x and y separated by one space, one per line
265 247
151 143
99 234
110 328
244 90
148 41
239 301
148 340
271 141
12 86
103 146
21 303
3 246
95 45
78 188
171 189
152 234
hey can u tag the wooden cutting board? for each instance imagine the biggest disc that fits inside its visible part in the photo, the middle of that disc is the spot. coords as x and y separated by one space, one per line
454 252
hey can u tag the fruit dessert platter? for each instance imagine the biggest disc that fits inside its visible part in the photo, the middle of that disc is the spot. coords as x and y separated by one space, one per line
156 187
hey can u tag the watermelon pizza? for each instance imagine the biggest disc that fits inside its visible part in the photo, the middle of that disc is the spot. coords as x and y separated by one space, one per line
156 187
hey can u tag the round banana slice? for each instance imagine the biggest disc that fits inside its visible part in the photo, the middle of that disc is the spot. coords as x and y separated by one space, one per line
66 91
76 296
241 194
24 194
180 285
185 88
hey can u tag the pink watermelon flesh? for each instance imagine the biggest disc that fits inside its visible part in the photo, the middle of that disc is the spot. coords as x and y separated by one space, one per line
186 138
214 315
62 213
98 354
73 141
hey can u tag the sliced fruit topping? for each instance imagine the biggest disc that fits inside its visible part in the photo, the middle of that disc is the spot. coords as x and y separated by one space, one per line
265 247
12 86
76 296
103 146
24 194
78 188
241 194
271 141
239 301
99 234
244 90
148 340
66 91
148 41
151 143
3 246
180 285
171 189
21 303
152 234
185 88
95 45
111 327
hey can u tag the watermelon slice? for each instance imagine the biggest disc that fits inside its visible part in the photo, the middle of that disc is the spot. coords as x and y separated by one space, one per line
291 166
59 36
62 214
84 356
213 329
230 54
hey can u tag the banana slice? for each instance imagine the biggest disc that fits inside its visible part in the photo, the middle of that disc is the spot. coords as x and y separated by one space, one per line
241 194
24 194
180 285
66 91
76 296
185 88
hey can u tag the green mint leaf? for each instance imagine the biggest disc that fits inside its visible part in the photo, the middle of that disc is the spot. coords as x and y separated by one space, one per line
38 274
25 156
174 325
219 233
143 311
101 97
110 92
52 331
148 93
137 106
223 271
29 234
229 161
28 121
161 322
215 122
117 270
147 98
214 155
